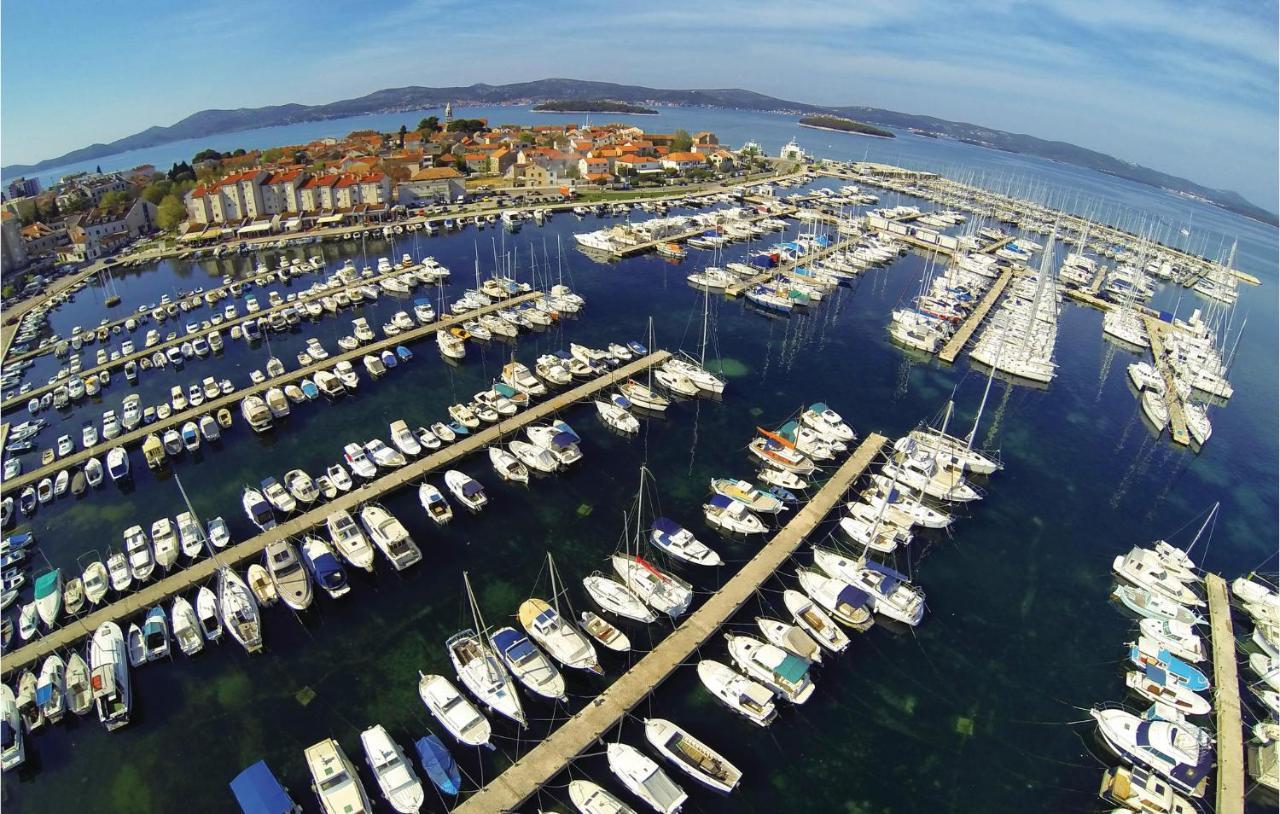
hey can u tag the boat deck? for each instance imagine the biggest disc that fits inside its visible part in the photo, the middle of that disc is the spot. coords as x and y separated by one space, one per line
232 400
1226 700
960 338
203 570
1177 418
522 779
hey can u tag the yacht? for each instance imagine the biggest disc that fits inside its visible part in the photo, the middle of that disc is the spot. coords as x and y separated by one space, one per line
483 673
783 672
394 773
390 535
680 543
109 676
1182 754
453 711
349 541
691 756
528 664
748 698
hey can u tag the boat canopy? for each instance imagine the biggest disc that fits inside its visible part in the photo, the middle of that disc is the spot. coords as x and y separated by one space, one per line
667 526
818 407
258 792
47 583
44 694
789 430
792 669
563 440
439 764
721 501
546 621
565 428
8 737
564 354
621 400
517 647
852 596
504 389
891 577
472 488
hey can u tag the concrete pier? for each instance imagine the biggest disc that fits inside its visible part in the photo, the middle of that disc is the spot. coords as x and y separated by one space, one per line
1177 418
232 400
958 340
523 778
1226 700
135 603
737 289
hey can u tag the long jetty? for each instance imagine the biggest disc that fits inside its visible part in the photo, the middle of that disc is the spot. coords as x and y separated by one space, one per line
649 245
1177 418
786 267
136 436
147 352
1226 697
204 569
523 778
958 340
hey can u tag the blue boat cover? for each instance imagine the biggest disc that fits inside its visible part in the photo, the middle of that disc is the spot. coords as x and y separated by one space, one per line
404 353
852 596
880 568
258 792
792 668
503 389
422 301
621 400
563 427
666 525
563 440
788 430
459 428
44 694
18 540
636 347
818 407
516 646
329 571
561 354
721 501
439 764
8 736
472 488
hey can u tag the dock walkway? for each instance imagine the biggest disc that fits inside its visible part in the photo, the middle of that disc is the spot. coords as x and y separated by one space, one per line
650 245
523 778
1177 418
958 340
1226 700
738 288
203 570
231 400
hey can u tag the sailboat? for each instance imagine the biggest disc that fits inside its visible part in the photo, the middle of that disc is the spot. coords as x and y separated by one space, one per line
480 670
659 590
958 453
696 371
239 610
553 631
643 395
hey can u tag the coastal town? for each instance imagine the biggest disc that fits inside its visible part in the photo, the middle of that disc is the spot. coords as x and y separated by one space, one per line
365 177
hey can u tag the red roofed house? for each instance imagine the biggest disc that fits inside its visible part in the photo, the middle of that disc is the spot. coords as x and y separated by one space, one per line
683 162
588 167
636 165
431 184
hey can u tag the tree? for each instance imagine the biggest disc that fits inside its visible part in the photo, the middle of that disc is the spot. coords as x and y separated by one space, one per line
239 152
681 141
113 199
28 212
207 154
466 126
170 213
156 191
272 155
53 212
428 125
526 137
403 131
177 171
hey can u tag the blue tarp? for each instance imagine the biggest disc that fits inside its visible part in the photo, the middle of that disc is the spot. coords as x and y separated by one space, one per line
721 501
564 440
258 792
850 595
666 525
472 488
439 764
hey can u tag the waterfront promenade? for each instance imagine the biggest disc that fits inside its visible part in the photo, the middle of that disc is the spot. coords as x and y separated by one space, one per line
553 754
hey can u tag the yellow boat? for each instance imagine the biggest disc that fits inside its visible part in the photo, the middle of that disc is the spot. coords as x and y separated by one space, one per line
461 333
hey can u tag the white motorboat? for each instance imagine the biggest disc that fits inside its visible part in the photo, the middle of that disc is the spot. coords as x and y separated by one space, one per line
349 541
1178 638
301 486
96 581
779 456
846 604
208 613
786 673
137 548
691 755
257 509
389 535
790 638
119 572
109 676
1144 568
358 462
591 798
293 584
616 416
394 773
454 712
644 778
190 535
680 543
434 503
561 444
534 457
528 664
748 698
507 466
466 490
384 455
404 439
732 516
334 779
757 500
1181 753
338 476
890 593
186 627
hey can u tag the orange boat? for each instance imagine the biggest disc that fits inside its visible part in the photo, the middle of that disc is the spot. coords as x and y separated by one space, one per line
773 436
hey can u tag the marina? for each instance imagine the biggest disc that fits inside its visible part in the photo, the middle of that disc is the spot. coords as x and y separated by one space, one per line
997 584
539 766
204 570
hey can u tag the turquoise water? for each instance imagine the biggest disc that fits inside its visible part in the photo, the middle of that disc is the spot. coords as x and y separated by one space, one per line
973 711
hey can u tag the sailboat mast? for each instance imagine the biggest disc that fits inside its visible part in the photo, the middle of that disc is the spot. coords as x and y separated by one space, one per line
1203 526
706 295
476 617
991 374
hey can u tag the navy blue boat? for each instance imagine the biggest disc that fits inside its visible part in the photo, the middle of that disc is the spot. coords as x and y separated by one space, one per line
324 567
439 764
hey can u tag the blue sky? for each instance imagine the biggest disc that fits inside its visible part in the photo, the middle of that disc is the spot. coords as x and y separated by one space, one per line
1189 88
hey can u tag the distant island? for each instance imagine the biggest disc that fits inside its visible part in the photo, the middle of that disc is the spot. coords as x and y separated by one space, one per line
844 125
398 100
592 106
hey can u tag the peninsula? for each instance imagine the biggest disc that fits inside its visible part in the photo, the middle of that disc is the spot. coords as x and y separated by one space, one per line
592 106
843 125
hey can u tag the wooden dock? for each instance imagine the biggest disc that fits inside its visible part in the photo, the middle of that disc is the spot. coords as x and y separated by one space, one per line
232 400
992 248
523 778
960 338
650 245
1226 700
203 570
738 288
1177 418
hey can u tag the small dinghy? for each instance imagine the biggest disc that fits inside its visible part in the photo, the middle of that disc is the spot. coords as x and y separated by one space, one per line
439 765
264 590
208 614
604 633
434 503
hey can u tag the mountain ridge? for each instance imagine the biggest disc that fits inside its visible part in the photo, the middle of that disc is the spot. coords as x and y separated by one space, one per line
413 97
